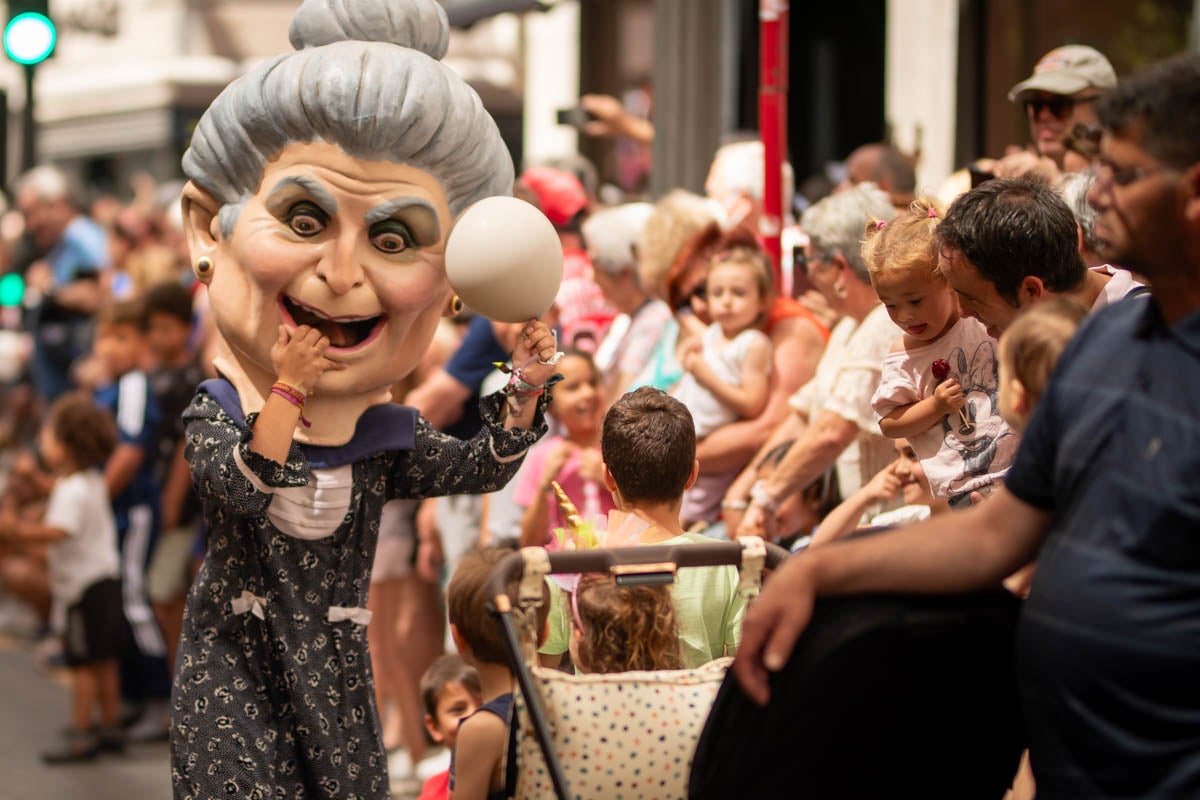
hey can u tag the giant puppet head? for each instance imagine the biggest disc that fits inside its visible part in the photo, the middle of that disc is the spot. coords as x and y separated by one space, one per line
323 187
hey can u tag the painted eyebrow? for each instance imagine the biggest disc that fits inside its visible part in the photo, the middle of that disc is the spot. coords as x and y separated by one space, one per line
315 190
420 214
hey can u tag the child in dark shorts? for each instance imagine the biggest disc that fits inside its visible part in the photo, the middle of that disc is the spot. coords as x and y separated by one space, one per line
84 566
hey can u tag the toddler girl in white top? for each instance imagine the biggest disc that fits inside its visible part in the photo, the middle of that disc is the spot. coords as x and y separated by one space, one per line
725 376
939 387
726 373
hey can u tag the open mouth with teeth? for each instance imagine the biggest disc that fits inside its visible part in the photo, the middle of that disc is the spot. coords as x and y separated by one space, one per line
344 333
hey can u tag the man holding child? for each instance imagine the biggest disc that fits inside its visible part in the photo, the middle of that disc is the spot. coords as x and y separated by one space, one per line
1103 494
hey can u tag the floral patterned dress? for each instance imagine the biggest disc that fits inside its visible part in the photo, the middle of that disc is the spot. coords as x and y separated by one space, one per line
273 694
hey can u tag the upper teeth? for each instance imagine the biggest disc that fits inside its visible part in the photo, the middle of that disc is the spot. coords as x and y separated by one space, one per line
317 313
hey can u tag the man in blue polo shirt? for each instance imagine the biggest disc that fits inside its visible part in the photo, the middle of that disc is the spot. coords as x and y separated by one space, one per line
73 254
1105 493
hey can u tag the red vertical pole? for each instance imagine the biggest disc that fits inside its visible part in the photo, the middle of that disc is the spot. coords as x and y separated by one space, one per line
772 121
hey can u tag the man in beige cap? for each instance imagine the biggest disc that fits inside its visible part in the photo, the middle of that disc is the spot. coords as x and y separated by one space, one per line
1060 93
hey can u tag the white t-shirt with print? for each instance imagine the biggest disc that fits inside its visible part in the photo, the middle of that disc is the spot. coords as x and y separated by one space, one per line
79 506
957 459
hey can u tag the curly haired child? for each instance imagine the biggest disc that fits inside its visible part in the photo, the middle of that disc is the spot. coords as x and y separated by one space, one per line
84 567
623 628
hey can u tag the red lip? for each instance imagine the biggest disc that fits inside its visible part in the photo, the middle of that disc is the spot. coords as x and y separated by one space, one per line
917 330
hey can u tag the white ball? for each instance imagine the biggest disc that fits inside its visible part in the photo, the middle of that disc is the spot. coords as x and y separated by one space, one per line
504 260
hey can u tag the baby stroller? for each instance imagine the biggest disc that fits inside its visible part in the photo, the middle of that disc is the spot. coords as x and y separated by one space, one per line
617 736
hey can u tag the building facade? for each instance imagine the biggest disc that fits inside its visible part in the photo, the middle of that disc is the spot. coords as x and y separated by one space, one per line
129 79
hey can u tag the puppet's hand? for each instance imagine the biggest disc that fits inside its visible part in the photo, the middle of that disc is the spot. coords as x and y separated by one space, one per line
299 357
536 340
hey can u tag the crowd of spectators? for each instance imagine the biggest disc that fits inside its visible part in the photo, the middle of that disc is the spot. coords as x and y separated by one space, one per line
866 389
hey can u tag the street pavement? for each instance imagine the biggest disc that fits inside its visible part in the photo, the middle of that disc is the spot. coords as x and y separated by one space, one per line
33 709
34 706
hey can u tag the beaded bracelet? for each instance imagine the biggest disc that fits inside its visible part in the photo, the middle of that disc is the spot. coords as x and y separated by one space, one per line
293 396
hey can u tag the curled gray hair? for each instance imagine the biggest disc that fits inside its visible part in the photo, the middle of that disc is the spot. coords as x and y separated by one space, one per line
836 224
612 236
1074 188
366 77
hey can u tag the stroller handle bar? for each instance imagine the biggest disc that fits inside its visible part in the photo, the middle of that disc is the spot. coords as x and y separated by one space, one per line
706 554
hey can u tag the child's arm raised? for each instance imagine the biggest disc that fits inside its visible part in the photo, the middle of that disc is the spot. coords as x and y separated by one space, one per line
844 518
25 531
535 522
918 417
750 398
299 360
477 755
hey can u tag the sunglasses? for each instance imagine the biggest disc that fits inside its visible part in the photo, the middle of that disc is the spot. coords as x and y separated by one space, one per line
1059 105
802 263
1084 139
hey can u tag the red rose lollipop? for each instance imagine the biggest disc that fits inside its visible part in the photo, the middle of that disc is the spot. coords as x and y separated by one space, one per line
941 371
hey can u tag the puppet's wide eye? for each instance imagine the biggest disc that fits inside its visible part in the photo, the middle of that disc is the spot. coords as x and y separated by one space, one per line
391 236
306 219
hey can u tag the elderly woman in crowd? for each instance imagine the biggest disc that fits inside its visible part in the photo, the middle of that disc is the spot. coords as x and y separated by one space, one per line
611 238
831 420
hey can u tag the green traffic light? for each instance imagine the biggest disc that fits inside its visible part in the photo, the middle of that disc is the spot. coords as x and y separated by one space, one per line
29 38
12 290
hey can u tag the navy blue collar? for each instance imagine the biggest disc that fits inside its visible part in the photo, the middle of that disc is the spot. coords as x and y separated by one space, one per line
1186 330
383 428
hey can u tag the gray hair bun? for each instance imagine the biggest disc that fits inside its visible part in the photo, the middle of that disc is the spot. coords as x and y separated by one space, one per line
416 24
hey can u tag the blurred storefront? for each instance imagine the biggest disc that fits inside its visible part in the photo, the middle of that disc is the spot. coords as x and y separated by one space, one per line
931 76
130 78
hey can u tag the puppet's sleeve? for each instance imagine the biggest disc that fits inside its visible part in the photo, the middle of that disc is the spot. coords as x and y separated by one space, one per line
225 471
440 464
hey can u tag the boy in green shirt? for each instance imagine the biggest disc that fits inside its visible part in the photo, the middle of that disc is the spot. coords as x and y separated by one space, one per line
649 448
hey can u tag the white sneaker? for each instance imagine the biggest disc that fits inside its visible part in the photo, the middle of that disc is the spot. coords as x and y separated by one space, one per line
154 725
